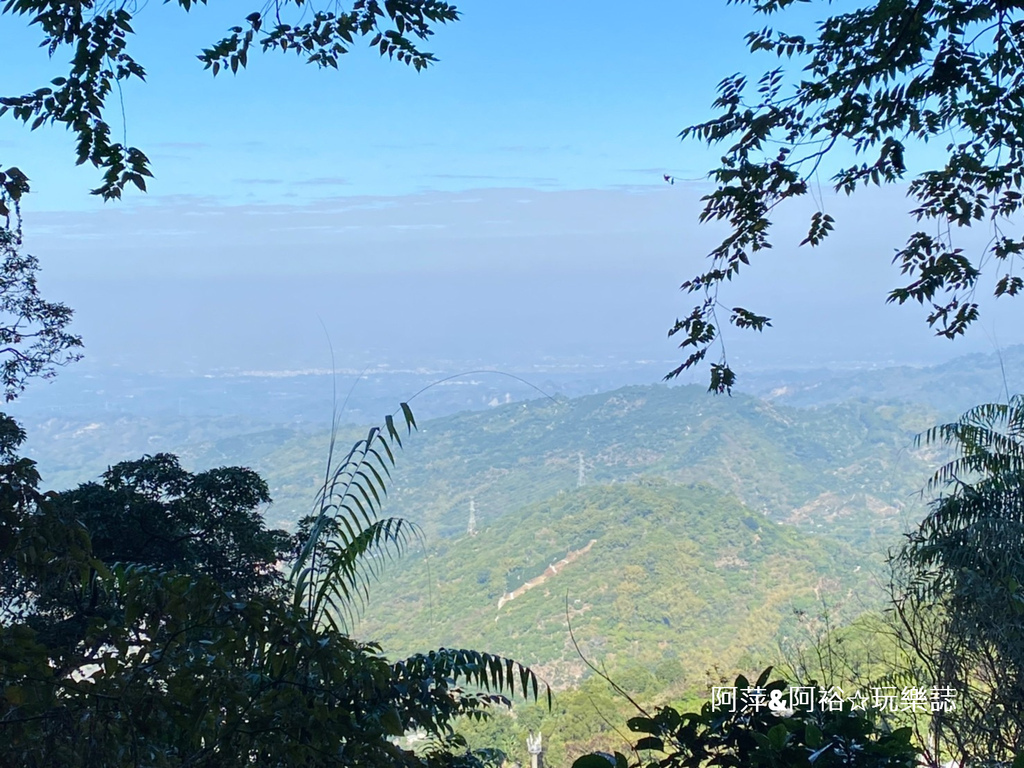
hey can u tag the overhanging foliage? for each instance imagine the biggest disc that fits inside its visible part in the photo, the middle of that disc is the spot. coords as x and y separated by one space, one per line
877 81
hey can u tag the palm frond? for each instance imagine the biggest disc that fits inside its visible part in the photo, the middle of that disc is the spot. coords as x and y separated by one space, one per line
435 676
347 542
988 440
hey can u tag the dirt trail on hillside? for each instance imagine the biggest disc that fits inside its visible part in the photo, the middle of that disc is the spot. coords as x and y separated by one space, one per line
552 570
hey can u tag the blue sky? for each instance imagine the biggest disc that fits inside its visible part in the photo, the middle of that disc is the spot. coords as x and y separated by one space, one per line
507 201
527 94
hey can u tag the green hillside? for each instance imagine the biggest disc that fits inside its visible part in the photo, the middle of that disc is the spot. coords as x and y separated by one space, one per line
673 578
846 469
695 512
700 511
662 584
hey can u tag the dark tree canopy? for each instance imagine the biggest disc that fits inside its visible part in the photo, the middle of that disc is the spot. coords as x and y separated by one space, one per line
147 514
877 81
152 512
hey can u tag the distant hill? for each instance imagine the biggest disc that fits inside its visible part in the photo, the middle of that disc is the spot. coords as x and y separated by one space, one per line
950 388
88 418
104 419
848 469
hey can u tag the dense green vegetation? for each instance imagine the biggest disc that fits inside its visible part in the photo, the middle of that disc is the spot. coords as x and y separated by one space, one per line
664 584
748 518
688 554
651 567
764 512
848 467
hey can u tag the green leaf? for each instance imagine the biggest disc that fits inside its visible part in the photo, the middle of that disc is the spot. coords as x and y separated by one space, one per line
642 725
652 743
812 735
778 735
597 760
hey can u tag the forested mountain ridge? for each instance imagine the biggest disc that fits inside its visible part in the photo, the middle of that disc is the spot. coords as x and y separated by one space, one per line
950 388
659 577
117 416
849 467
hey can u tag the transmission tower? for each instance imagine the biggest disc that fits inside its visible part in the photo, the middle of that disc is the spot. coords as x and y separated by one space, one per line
472 517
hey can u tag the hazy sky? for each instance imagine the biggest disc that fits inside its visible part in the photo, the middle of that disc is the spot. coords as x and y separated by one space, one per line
506 203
